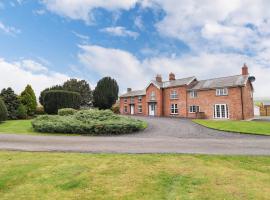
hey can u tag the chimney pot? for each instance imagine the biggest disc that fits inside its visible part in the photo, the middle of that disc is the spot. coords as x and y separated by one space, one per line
171 76
245 70
129 89
158 78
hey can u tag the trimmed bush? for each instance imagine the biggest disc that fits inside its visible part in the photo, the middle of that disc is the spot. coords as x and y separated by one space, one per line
21 112
66 111
58 99
90 122
28 99
3 111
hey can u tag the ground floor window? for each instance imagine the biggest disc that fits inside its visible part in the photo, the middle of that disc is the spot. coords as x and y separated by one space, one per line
125 109
221 111
174 109
194 109
139 108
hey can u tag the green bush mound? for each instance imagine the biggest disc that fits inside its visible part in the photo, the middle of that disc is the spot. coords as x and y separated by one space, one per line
89 122
66 111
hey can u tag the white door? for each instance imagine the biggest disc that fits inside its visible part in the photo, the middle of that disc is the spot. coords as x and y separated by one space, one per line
221 111
152 109
132 109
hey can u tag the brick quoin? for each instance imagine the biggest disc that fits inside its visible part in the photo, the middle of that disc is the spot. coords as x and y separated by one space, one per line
238 99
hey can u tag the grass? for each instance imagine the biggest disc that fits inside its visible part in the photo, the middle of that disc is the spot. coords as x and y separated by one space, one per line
122 176
23 127
251 127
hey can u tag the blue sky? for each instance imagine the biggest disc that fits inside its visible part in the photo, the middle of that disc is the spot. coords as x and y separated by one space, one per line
48 41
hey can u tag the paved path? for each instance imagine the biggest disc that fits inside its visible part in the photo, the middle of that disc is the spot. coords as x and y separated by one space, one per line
164 135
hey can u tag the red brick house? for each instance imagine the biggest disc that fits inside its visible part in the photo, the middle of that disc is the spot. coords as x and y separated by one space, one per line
219 98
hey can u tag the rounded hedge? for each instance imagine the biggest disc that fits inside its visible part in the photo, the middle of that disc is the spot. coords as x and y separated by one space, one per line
66 111
89 122
3 111
57 99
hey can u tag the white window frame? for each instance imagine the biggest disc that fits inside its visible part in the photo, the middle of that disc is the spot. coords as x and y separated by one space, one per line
139 99
173 94
222 92
194 109
153 95
193 94
219 113
174 109
140 108
131 99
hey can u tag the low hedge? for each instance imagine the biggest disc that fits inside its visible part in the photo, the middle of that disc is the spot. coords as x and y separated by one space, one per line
66 111
90 122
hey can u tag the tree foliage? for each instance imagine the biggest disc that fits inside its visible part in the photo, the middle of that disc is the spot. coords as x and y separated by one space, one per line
105 93
3 111
42 94
11 101
57 99
82 87
28 99
21 112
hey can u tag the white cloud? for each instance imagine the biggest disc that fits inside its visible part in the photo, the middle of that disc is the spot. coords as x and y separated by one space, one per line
81 36
81 9
120 31
20 73
39 12
131 72
139 22
9 29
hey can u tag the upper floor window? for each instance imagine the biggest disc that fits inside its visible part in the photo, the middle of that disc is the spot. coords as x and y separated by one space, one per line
174 94
131 99
139 98
174 108
222 91
193 94
153 96
125 109
125 100
194 109
139 108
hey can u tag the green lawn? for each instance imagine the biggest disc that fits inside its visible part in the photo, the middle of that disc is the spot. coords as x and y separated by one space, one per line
252 127
55 176
23 127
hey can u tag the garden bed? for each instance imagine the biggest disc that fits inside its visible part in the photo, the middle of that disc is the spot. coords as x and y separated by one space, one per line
88 122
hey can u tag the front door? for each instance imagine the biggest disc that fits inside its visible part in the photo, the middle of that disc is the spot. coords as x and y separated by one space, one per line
152 109
132 109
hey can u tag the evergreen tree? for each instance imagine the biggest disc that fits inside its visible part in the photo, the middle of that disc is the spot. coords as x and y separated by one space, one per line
82 87
105 93
3 111
11 101
42 94
28 99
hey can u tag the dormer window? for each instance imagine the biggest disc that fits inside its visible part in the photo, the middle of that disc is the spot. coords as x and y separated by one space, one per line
174 94
222 91
193 94
153 96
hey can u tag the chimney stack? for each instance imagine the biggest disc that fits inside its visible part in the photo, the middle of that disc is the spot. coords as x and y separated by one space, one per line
245 70
129 89
171 76
159 78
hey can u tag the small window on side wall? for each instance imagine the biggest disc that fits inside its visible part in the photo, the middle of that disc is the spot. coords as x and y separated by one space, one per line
222 91
125 109
174 94
125 100
139 108
193 94
139 98
174 109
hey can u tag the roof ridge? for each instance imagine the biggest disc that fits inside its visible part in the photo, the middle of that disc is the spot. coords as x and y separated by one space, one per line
221 77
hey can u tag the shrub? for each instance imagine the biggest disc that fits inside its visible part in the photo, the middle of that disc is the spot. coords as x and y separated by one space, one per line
40 110
116 109
66 111
57 99
21 112
28 99
92 122
3 111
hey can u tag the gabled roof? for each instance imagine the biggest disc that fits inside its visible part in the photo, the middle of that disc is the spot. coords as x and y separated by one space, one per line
176 82
134 93
229 81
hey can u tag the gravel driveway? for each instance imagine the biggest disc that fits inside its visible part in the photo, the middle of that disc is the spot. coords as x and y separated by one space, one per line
163 135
